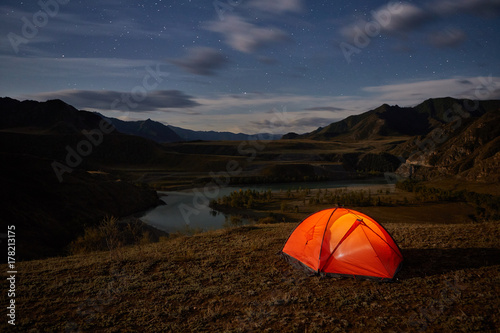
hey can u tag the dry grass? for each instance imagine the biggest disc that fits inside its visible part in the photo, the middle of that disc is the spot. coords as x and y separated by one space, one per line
232 280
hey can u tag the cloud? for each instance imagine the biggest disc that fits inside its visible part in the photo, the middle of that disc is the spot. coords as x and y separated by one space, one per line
403 17
277 6
325 108
159 100
201 61
314 122
393 19
244 36
99 68
68 23
470 87
283 113
486 8
450 37
399 19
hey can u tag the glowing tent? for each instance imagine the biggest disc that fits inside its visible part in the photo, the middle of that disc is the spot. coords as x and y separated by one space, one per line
343 242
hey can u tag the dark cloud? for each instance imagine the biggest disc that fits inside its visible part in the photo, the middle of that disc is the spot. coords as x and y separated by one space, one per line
450 37
464 82
398 19
161 99
403 18
391 19
495 94
325 108
137 100
245 36
314 121
201 61
277 6
486 8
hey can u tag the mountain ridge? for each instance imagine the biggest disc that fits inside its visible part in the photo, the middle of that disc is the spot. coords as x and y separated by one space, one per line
148 129
387 120
446 137
56 116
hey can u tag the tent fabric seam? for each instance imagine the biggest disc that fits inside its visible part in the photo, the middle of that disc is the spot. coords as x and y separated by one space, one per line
346 235
396 252
371 244
323 239
387 252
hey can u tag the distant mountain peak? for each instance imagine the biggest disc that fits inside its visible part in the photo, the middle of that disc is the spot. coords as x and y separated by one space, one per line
149 129
390 120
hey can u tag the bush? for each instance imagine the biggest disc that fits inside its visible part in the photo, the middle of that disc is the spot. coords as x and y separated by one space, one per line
243 199
109 235
487 206
267 220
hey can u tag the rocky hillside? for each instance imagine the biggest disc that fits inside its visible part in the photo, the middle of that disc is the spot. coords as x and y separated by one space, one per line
467 147
445 137
387 120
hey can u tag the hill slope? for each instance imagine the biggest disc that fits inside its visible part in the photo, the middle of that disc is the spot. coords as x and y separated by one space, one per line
389 120
51 189
445 137
53 116
231 280
468 148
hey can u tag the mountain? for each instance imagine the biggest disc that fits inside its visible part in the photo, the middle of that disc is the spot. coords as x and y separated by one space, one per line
56 179
467 148
53 116
148 129
190 135
387 120
61 175
156 131
445 137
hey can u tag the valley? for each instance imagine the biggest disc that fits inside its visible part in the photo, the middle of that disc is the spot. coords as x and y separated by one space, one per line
88 263
70 177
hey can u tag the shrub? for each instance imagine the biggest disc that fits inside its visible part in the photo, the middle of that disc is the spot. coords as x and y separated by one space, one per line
267 220
110 235
487 206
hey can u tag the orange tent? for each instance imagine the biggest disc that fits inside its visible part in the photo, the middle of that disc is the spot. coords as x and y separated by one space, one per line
343 242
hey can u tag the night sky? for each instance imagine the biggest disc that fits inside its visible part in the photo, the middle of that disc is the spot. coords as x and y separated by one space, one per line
234 65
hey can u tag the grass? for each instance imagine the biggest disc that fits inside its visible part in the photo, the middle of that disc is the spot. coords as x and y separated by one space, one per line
184 165
231 280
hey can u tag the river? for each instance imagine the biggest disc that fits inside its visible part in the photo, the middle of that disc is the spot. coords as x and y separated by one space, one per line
187 211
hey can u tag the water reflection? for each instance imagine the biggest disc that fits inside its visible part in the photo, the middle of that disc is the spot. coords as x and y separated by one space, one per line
184 213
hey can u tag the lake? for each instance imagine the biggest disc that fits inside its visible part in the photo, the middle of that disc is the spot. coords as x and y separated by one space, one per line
188 210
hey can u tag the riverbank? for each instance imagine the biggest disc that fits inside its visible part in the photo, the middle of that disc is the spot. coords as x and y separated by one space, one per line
193 210
385 203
